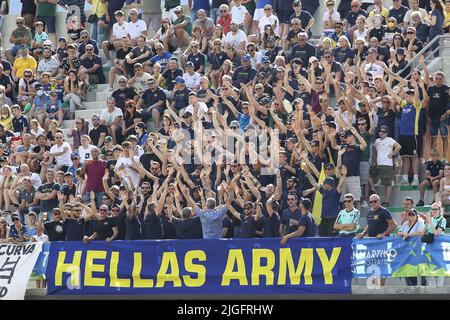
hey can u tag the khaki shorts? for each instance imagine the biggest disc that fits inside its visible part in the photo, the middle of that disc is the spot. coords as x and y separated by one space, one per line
352 185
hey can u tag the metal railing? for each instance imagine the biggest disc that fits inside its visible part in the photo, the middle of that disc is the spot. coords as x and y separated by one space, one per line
414 61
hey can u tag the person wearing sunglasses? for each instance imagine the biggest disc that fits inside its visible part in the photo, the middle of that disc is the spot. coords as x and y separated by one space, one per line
347 221
92 70
383 151
54 228
21 36
23 62
85 41
380 223
105 228
412 228
17 231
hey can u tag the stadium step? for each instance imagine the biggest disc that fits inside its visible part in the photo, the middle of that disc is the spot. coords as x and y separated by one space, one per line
95 105
97 96
87 114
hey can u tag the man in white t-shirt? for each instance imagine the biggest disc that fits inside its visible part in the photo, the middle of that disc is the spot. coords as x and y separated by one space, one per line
125 165
136 27
240 14
119 31
194 104
235 38
414 7
191 77
61 151
269 19
372 65
140 79
383 151
111 117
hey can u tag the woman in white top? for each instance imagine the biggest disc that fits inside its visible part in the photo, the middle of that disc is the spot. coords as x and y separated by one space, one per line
361 31
435 224
330 17
85 150
36 129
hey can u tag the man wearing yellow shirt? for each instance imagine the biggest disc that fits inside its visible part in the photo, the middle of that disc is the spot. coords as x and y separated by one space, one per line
22 62
379 9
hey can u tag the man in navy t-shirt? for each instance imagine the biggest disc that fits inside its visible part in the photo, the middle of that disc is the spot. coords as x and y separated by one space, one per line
330 202
379 220
306 224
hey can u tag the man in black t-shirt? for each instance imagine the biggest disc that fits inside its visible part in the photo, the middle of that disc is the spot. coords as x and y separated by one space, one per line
189 227
105 228
438 107
306 224
98 132
47 193
119 61
124 93
271 222
55 228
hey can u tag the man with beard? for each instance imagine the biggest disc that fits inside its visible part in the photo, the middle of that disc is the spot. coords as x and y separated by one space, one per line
75 224
124 93
105 228
55 228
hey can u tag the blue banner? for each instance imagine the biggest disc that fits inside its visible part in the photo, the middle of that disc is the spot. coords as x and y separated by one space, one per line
41 264
238 266
395 257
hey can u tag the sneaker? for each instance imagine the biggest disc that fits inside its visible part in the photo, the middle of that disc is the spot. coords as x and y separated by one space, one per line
415 182
420 203
108 89
107 64
364 204
404 181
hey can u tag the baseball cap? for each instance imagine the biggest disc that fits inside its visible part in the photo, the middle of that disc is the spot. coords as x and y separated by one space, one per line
265 59
374 50
401 51
264 100
47 43
189 64
248 204
62 39
234 22
74 155
312 59
410 91
179 80
187 114
330 181
108 139
246 57
23 46
348 133
234 124
132 137
329 166
262 74
296 3
14 216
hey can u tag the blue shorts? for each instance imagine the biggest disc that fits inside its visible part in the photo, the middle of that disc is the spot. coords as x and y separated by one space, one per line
14 49
440 125
49 23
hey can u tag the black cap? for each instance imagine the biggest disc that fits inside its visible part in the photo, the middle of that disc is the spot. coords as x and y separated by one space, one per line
15 216
348 133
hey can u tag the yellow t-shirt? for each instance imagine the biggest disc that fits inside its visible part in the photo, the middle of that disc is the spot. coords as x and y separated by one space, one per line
20 64
98 7
7 123
447 20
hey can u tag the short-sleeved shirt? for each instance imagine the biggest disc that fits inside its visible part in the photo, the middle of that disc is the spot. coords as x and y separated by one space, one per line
151 97
188 229
409 121
248 226
307 221
75 229
377 221
438 103
348 217
351 159
211 221
48 205
109 117
104 228
95 171
14 234
188 27
434 168
271 225
55 230
135 29
406 228
330 202
287 215
441 221
122 96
